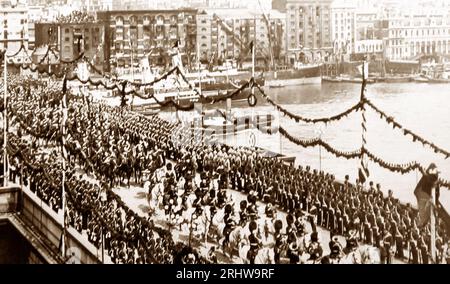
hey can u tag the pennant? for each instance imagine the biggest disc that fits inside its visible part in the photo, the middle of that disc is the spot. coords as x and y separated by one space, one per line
363 174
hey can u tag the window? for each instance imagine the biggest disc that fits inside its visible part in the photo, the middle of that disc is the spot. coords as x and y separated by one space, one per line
66 39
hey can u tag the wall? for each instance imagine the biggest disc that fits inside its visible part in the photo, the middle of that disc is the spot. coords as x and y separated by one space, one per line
9 199
48 223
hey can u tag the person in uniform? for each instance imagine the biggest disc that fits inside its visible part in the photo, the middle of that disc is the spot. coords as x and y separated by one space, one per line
270 211
255 242
278 226
315 250
243 214
399 244
335 255
212 257
388 243
423 250
447 253
414 253
229 224
292 252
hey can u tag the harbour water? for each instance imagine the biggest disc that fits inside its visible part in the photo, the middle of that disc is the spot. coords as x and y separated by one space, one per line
422 108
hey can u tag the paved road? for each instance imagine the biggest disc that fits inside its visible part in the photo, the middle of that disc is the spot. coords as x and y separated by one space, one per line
136 198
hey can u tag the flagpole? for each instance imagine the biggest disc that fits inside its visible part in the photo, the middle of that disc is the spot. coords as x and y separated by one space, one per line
5 122
64 156
199 72
253 66
363 123
434 199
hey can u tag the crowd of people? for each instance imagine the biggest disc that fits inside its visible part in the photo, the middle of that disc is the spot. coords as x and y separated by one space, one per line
117 147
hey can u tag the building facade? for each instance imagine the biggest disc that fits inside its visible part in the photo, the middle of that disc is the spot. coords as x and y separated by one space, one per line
308 28
227 33
73 38
410 35
131 36
13 26
343 26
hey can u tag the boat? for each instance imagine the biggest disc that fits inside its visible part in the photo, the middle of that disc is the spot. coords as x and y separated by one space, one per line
421 79
398 79
221 123
331 79
300 75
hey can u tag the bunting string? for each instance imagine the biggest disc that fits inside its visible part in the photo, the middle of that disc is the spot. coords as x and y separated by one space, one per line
299 118
416 137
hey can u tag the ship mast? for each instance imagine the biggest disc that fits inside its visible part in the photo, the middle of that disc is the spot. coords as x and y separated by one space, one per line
199 71
269 36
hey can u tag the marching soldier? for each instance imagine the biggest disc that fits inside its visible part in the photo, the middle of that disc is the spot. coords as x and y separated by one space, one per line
255 242
315 249
388 243
278 240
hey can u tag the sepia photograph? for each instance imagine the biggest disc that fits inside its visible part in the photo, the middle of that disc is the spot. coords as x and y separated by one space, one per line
225 132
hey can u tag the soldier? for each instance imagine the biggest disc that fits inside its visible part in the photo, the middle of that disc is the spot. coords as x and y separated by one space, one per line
255 242
292 253
335 255
399 243
423 250
229 224
414 253
388 243
447 254
270 211
243 214
315 249
278 240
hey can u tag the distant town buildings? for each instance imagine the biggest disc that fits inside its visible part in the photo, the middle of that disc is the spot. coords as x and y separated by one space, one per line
133 35
195 4
410 35
71 35
125 32
13 26
227 33
309 29
343 26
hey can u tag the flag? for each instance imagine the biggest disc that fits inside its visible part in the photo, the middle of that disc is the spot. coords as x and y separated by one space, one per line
443 214
364 70
363 174
177 44
423 194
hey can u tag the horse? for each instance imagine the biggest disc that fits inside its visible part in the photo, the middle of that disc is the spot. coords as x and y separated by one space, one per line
156 197
371 255
236 236
265 255
354 257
